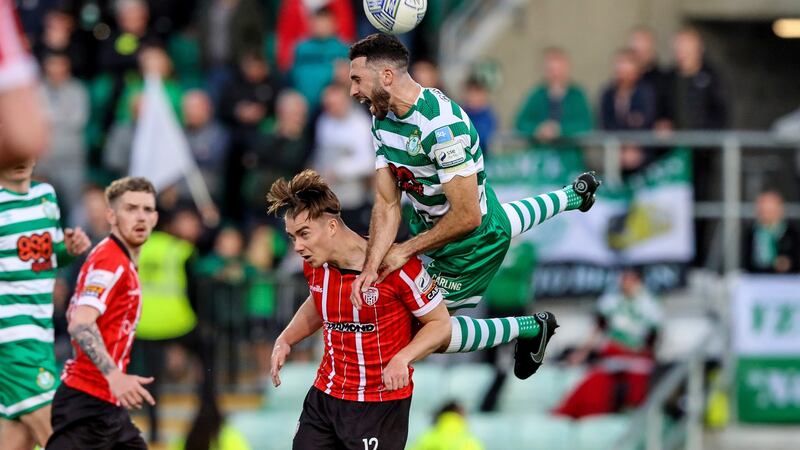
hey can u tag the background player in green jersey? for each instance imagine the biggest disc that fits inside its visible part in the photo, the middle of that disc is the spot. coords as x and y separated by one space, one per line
32 247
427 147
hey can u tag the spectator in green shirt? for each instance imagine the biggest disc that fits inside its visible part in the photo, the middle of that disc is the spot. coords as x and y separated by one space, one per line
557 107
315 58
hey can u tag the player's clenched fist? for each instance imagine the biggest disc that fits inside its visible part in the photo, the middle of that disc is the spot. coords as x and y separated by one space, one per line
395 375
76 241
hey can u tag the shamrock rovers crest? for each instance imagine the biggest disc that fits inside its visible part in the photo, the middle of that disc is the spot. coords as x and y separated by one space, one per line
414 144
45 379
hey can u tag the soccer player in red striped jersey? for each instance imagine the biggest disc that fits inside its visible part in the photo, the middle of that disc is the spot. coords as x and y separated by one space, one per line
89 408
23 127
362 394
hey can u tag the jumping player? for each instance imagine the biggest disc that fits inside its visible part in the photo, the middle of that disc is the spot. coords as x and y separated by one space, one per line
427 147
362 394
89 408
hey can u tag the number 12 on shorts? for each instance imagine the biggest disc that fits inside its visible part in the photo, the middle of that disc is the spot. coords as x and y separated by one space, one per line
370 443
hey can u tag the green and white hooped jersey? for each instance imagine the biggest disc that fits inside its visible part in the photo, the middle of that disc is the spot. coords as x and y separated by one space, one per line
431 144
30 239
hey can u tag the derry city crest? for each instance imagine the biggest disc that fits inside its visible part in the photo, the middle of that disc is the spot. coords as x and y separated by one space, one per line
371 296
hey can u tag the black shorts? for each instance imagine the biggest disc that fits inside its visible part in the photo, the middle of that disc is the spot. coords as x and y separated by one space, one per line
330 423
81 421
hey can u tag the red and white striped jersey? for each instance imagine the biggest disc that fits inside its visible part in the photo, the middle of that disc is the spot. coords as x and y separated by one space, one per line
109 283
17 66
360 343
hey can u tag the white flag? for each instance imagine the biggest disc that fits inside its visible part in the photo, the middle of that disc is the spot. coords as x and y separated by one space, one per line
160 149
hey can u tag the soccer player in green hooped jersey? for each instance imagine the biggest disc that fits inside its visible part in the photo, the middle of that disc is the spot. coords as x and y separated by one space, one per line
427 147
32 247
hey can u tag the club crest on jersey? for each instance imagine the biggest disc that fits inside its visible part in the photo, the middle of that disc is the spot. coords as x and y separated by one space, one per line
51 210
371 296
413 146
45 379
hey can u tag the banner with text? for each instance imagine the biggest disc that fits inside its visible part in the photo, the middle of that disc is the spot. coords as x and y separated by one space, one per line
645 221
766 333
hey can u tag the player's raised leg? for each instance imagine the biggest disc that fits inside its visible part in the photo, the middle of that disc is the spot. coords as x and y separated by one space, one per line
527 213
466 289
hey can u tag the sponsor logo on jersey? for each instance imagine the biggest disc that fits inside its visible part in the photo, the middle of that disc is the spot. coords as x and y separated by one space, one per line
93 290
427 285
315 288
450 155
37 248
406 181
97 281
413 146
448 285
432 293
350 327
423 280
443 135
371 296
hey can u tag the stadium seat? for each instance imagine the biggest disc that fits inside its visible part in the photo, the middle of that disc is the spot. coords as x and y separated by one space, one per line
494 431
600 432
296 380
499 431
430 388
543 432
540 393
468 383
266 430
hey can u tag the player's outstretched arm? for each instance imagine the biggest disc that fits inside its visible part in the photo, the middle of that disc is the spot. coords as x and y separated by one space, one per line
128 389
435 331
462 218
306 321
383 226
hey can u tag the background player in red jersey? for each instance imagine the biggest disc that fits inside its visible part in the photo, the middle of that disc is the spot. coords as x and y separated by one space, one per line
24 130
89 406
362 394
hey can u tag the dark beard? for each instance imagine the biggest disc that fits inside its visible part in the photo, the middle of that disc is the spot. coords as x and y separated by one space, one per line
380 103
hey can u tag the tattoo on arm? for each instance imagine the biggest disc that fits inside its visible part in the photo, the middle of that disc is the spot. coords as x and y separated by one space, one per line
90 341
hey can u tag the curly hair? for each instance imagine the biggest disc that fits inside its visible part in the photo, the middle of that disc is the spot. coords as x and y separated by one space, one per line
381 47
306 191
